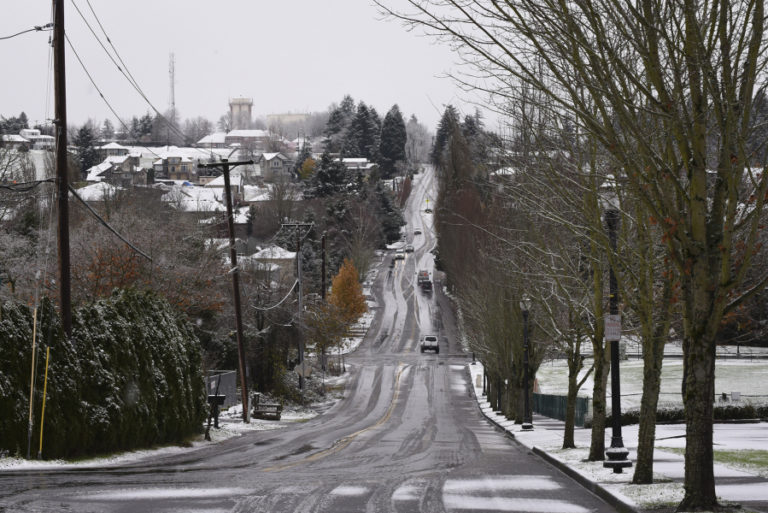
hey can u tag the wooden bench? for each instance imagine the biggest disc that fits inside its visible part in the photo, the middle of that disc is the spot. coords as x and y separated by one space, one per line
266 411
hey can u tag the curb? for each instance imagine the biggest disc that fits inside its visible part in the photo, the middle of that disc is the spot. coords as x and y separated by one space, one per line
613 501
600 491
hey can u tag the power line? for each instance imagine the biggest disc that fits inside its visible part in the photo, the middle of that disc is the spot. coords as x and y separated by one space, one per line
36 28
98 89
25 186
125 72
106 225
279 302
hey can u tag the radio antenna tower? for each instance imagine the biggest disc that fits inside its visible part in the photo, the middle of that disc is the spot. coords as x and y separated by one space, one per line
172 95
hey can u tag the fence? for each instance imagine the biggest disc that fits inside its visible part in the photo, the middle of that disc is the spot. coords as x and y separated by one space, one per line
227 386
554 406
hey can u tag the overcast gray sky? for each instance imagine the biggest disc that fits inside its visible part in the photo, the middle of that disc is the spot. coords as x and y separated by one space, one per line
288 55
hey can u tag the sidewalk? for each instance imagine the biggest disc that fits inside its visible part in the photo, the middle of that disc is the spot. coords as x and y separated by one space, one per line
745 487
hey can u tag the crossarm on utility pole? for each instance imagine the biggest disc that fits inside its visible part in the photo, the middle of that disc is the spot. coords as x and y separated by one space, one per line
225 166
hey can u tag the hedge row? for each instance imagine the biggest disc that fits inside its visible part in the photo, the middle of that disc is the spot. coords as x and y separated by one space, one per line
129 377
745 411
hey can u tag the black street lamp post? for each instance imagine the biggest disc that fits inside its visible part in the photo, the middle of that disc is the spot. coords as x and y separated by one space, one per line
525 306
617 453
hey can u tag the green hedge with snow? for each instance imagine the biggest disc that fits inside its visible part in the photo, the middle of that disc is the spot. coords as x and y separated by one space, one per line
131 376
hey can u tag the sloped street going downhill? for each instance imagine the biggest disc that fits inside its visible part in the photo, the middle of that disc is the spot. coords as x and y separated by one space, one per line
407 436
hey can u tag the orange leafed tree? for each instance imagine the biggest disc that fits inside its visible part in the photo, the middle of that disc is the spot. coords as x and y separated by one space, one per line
347 294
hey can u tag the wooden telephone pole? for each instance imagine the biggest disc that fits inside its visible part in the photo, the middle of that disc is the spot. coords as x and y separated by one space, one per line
235 271
62 180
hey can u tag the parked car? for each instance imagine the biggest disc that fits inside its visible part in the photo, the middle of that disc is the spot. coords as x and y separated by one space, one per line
430 343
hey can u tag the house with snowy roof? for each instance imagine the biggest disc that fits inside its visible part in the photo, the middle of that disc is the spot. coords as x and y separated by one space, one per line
38 140
16 142
360 164
112 149
98 192
274 166
120 170
214 140
278 263
256 139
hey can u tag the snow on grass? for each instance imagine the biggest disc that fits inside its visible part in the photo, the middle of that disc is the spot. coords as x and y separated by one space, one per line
750 378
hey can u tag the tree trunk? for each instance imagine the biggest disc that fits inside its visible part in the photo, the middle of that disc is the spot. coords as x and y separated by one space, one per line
602 370
570 410
698 400
653 353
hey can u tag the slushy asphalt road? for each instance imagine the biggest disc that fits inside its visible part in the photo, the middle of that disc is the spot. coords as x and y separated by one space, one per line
407 436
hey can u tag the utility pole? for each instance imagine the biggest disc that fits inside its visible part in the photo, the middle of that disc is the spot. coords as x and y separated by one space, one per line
235 271
300 293
322 292
62 180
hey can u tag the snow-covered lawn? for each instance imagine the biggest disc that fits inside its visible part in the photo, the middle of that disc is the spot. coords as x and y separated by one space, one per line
748 377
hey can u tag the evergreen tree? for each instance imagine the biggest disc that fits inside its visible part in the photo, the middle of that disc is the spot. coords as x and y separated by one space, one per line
361 140
145 126
13 125
304 154
331 177
393 139
134 130
86 150
107 130
391 216
338 124
448 121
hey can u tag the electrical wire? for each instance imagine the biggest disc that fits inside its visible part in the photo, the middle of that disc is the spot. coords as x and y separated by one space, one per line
36 28
125 72
101 94
25 186
279 302
103 222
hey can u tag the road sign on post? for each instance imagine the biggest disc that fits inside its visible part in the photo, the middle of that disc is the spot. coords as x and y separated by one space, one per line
612 328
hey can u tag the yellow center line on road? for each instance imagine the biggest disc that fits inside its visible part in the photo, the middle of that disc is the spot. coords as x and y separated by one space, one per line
344 442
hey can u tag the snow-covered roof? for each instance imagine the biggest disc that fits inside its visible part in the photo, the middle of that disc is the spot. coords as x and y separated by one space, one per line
13 138
113 146
252 193
257 265
214 138
248 133
95 172
194 199
235 178
270 156
97 191
274 253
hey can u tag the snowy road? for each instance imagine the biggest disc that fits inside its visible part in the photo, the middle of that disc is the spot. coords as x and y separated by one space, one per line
408 436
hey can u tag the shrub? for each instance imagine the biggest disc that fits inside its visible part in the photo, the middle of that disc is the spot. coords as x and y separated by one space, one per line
129 377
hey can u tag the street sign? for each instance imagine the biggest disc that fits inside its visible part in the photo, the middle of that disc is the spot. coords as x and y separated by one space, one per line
612 328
